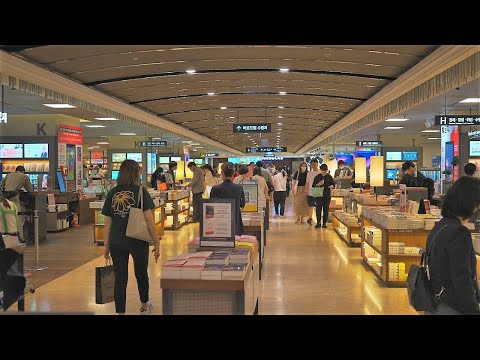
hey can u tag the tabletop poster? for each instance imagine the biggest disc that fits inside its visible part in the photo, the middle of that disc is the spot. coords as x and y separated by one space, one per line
250 188
217 225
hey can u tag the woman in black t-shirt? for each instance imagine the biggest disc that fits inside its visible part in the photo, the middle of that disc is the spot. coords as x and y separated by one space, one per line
322 203
117 245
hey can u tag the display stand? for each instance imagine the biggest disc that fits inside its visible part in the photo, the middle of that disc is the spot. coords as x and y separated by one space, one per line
180 216
213 297
259 231
336 203
381 261
99 222
348 233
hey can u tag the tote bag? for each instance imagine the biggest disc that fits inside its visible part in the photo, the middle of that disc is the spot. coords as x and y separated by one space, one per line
104 284
317 191
137 226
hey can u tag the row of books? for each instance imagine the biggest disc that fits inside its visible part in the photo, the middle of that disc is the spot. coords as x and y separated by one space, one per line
225 264
252 218
400 248
346 218
396 271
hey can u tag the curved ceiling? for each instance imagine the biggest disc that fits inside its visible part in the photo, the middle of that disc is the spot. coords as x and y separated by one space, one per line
321 86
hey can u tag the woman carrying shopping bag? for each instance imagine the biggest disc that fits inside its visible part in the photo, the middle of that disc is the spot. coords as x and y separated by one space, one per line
118 245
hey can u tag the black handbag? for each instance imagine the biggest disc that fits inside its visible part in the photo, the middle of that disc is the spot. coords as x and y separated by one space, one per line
419 286
104 284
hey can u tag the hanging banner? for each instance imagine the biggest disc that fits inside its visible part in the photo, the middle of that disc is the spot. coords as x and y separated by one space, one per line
71 135
62 155
79 167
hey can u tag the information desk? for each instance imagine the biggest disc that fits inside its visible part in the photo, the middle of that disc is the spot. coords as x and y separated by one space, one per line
213 297
383 260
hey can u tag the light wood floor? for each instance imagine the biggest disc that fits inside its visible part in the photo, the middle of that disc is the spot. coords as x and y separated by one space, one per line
307 271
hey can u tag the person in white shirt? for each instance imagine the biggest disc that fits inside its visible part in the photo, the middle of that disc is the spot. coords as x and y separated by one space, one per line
308 189
280 194
243 174
262 187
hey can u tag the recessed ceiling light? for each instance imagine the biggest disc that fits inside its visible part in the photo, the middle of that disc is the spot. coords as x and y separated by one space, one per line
280 117
397 119
432 138
211 94
103 143
281 107
223 108
471 100
231 117
59 106
191 71
284 70
106 118
279 123
128 134
393 127
278 135
283 93
430 131
95 126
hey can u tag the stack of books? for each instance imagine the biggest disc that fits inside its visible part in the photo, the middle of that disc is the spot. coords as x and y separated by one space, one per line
239 256
172 269
193 245
212 272
201 255
218 257
234 271
396 271
374 235
396 248
192 268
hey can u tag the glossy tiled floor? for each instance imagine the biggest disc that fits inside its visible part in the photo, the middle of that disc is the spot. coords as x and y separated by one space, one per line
307 271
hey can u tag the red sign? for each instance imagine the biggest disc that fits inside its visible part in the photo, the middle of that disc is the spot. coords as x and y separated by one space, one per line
71 135
96 156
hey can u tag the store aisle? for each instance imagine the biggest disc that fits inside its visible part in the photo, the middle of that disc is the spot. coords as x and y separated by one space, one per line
307 271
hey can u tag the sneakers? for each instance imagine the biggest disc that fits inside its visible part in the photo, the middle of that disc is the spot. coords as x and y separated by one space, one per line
147 309
276 216
318 226
324 226
310 222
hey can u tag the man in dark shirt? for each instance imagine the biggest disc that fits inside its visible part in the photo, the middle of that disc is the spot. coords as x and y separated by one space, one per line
409 178
322 203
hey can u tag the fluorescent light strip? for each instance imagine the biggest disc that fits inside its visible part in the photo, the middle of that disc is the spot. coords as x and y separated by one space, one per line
223 108
59 106
393 127
283 93
284 70
106 118
191 71
128 134
434 138
471 100
397 119
95 126
211 94
430 131
103 143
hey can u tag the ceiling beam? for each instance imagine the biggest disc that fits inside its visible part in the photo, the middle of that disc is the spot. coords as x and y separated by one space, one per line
23 70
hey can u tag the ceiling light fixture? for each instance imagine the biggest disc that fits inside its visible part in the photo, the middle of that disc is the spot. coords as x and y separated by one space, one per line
281 107
211 94
231 117
191 71
283 93
106 118
223 108
430 131
280 117
432 138
59 106
186 141
84 121
279 123
393 127
128 134
397 119
95 126
471 100
103 143
284 70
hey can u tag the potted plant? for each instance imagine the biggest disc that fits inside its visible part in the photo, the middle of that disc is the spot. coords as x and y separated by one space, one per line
455 161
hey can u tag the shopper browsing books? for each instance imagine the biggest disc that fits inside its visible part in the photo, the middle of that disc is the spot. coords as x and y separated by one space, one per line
452 262
280 194
198 187
412 177
325 180
117 245
343 172
308 189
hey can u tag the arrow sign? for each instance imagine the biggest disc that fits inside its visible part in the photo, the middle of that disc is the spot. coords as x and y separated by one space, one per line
252 128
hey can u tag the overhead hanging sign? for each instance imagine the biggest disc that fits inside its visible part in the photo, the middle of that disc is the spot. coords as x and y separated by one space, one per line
474 134
160 143
368 143
273 158
256 128
265 149
450 120
71 135
211 154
